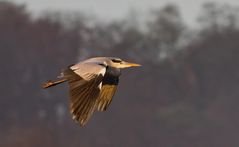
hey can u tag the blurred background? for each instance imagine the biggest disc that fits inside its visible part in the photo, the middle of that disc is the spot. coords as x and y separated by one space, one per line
185 94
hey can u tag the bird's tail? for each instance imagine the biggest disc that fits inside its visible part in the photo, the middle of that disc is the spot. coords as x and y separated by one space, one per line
53 83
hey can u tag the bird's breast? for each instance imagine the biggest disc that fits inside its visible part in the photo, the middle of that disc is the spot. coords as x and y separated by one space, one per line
111 76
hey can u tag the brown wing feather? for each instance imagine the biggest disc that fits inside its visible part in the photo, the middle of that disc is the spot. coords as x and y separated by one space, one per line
106 94
83 95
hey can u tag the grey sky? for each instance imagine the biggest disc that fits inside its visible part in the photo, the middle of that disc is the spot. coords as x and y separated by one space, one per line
114 9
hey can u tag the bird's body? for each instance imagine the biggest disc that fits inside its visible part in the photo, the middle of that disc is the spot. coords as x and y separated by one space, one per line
92 85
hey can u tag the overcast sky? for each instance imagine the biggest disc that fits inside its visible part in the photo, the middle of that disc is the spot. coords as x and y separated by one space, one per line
114 9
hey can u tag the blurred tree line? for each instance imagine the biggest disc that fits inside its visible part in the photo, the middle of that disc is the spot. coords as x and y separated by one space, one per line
185 94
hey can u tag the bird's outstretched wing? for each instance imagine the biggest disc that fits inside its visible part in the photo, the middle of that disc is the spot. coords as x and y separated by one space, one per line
106 94
84 83
109 86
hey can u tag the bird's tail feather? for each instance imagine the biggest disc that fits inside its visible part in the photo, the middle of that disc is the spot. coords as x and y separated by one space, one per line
52 83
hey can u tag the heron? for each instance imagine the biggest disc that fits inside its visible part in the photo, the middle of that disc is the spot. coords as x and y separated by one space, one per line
92 85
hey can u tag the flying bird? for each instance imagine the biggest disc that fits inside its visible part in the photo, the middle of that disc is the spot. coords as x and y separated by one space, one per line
92 85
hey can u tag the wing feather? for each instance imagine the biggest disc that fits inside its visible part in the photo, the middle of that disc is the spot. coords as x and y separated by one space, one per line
84 93
88 70
106 94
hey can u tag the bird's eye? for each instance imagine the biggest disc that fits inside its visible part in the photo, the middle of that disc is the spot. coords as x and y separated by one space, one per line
116 60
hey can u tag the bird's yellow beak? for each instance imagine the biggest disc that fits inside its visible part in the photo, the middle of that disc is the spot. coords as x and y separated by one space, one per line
127 64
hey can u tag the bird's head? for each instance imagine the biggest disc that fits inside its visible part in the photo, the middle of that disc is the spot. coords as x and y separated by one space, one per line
118 63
